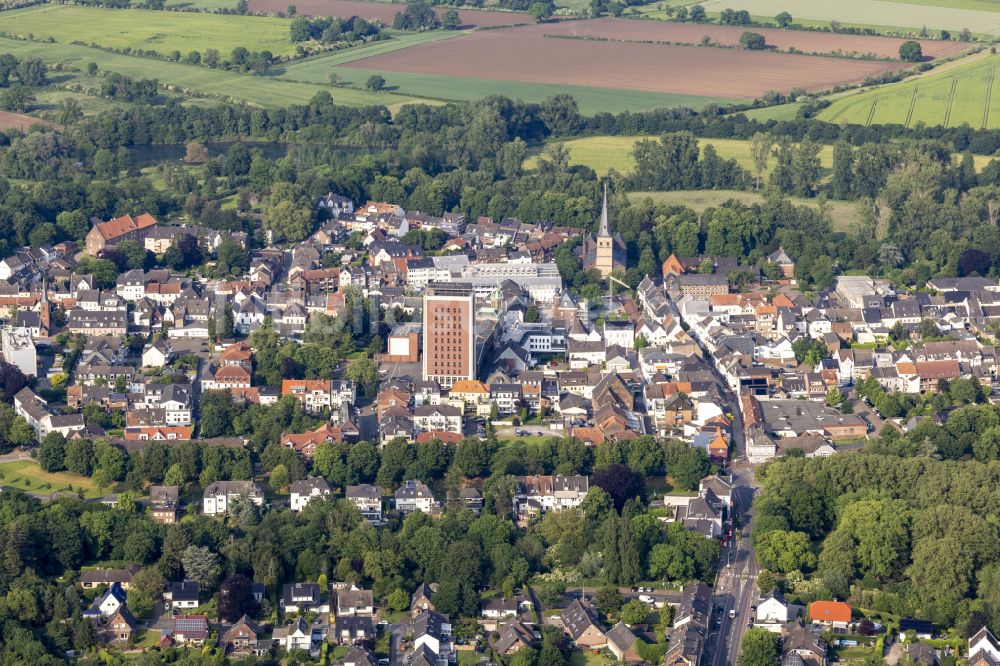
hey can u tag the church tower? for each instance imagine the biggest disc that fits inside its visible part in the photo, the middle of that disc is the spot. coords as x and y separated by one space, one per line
44 312
605 259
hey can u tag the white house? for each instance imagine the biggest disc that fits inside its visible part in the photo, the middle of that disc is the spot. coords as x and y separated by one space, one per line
438 418
113 599
368 499
414 496
305 490
772 609
219 496
295 636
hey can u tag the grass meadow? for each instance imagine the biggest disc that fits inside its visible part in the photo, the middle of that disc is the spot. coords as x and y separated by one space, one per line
26 475
163 32
602 153
216 83
843 214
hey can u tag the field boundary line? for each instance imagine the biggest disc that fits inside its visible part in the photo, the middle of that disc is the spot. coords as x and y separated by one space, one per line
951 101
989 98
913 103
871 111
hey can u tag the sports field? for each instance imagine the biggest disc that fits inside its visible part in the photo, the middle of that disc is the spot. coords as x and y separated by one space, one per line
602 153
950 97
953 15
148 30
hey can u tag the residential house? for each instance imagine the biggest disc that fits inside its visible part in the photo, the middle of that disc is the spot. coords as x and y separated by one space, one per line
93 578
114 231
112 599
833 614
218 497
351 629
242 637
163 503
622 643
422 598
581 627
121 626
772 609
305 490
353 601
35 411
368 499
514 636
804 643
182 594
302 598
414 496
191 629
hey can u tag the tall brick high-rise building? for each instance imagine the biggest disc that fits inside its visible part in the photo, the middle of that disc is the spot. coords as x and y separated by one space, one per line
449 334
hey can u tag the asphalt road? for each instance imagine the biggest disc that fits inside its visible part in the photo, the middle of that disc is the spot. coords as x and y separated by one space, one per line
736 582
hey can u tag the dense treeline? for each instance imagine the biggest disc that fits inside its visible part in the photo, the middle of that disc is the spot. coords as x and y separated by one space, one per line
897 529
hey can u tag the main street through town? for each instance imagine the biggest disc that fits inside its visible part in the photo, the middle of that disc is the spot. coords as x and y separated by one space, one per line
736 582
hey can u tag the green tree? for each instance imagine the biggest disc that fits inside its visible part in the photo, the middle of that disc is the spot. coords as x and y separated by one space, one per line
450 20
753 41
911 51
783 19
634 612
52 453
201 565
375 82
760 648
608 600
288 212
175 476
279 477
79 456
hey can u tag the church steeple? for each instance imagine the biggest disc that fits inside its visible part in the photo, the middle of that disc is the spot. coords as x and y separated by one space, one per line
603 230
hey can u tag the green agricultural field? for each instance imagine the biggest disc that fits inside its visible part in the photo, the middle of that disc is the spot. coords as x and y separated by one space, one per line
843 214
26 475
202 80
950 97
201 5
602 153
590 100
953 15
163 32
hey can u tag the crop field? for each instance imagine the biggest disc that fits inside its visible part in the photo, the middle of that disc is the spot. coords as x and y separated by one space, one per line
158 31
692 33
215 82
525 54
21 122
450 88
953 15
953 96
602 153
383 11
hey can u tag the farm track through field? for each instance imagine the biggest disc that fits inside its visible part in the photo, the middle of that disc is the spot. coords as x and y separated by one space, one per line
989 96
871 112
913 103
951 101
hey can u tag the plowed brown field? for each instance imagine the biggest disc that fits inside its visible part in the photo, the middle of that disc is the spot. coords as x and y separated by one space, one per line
801 40
383 11
526 54
22 122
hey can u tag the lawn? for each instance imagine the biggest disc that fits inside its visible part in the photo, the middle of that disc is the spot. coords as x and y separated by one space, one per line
149 30
843 214
950 96
602 153
588 658
28 476
527 439
199 80
147 638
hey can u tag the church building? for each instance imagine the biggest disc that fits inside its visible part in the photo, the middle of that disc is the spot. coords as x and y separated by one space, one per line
604 252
